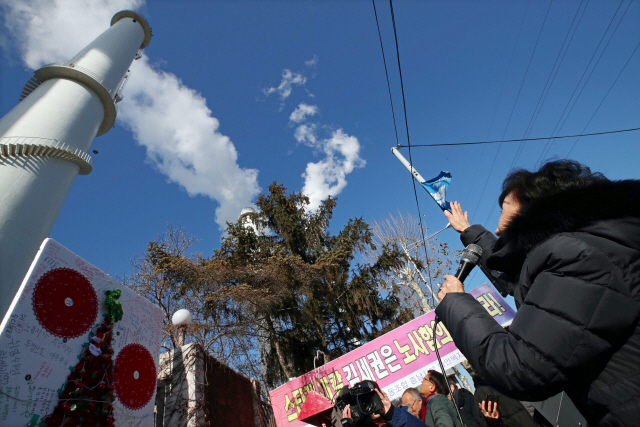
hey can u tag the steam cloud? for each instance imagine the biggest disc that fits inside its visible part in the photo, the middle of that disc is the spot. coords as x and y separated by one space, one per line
326 177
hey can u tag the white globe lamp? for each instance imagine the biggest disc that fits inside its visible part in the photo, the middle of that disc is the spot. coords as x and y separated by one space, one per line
181 319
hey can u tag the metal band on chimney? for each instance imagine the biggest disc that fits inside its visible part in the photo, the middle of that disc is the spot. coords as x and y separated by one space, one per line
20 146
136 18
87 78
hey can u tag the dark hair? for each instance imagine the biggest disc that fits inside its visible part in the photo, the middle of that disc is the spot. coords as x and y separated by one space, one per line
552 177
438 379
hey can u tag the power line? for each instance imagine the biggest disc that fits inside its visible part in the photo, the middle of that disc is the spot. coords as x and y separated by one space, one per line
514 107
531 139
515 46
605 97
406 123
527 70
558 127
495 158
551 78
594 67
386 73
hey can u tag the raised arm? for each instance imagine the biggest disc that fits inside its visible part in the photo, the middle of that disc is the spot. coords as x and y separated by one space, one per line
528 362
480 236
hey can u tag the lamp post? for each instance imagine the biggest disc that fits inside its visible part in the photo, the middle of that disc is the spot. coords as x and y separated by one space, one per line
181 319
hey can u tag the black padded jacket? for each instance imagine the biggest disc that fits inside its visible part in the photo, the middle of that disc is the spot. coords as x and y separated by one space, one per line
572 263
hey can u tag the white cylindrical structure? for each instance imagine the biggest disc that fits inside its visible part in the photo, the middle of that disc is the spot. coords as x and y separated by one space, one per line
246 215
45 140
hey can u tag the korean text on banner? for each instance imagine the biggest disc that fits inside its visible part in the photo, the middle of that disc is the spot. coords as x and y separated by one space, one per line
397 360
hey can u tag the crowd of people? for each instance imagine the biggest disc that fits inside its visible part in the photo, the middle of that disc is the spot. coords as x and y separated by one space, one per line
434 404
567 248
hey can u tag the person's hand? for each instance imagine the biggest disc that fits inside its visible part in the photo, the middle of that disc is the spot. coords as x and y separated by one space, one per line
346 412
386 403
488 412
451 284
459 220
386 406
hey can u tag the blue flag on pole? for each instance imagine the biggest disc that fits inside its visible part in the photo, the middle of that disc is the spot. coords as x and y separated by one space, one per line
437 188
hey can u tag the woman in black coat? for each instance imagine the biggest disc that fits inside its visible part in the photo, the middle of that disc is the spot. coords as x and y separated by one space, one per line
569 253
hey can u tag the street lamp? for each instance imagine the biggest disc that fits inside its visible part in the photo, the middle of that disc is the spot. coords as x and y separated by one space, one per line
181 319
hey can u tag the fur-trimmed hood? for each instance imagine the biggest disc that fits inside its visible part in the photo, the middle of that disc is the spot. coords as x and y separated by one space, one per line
611 206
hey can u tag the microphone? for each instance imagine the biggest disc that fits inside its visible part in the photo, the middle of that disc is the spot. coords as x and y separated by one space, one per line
470 257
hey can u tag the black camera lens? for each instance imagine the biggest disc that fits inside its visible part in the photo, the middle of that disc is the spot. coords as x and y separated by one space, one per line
367 404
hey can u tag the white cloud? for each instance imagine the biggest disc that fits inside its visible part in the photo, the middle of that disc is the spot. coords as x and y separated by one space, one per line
302 111
306 133
284 89
183 142
313 62
171 120
328 176
55 30
341 151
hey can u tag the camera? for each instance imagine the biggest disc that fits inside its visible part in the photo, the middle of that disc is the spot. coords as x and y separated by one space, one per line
364 401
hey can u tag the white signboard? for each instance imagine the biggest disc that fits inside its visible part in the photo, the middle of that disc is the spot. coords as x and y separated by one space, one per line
54 332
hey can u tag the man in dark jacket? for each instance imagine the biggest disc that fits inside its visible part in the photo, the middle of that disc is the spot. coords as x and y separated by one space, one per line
569 253
512 412
437 410
466 405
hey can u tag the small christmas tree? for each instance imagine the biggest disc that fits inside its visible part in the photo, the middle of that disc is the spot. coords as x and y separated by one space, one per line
86 398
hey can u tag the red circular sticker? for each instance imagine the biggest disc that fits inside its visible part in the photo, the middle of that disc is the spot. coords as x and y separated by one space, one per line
65 303
135 376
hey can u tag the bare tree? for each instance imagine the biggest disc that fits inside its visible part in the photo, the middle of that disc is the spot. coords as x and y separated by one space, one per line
172 278
424 261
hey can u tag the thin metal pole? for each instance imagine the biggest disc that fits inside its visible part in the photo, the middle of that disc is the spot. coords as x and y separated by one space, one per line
428 237
419 272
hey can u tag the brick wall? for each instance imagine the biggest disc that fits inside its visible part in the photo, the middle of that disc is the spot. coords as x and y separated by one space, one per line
230 397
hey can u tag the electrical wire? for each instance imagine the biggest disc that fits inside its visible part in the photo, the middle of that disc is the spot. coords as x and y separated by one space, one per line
406 123
593 69
495 158
394 120
515 46
535 47
531 139
550 79
558 127
386 73
605 97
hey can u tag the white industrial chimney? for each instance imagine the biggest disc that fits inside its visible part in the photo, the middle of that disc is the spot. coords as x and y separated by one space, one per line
45 140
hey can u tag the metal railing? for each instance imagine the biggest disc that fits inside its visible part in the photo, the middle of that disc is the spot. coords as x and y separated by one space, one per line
20 146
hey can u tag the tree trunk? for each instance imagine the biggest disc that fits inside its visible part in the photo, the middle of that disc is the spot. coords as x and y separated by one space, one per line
411 282
276 345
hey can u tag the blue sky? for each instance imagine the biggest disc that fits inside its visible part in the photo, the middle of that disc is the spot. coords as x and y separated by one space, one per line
207 121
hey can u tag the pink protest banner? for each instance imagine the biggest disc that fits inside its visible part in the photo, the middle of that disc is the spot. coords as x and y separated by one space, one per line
396 361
